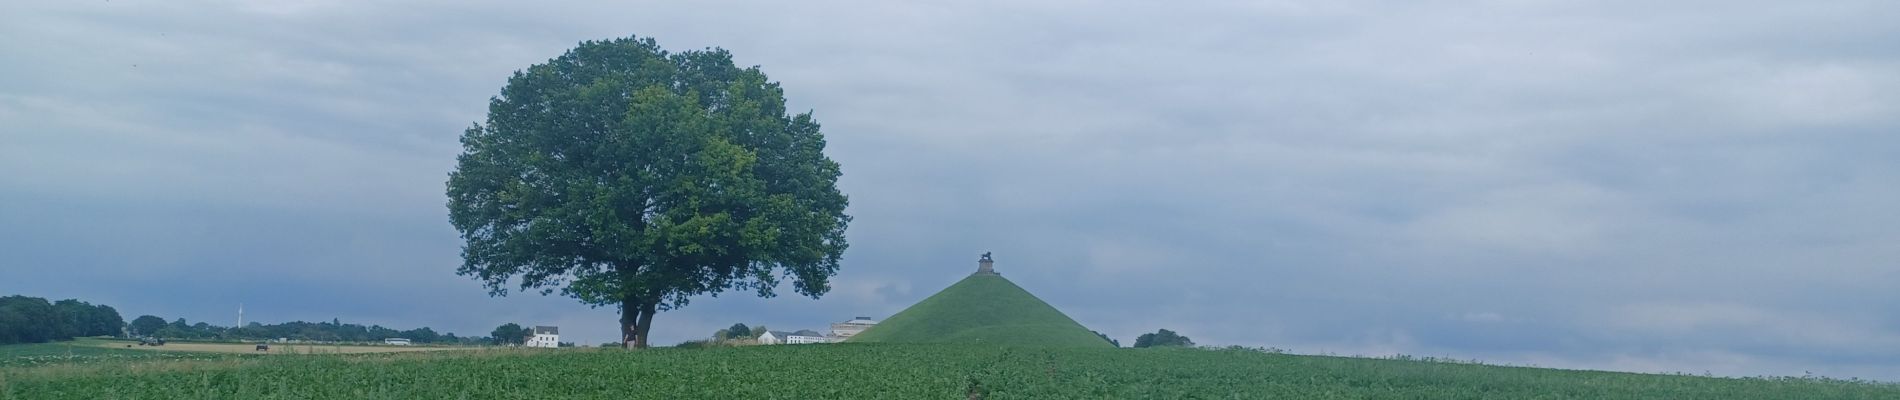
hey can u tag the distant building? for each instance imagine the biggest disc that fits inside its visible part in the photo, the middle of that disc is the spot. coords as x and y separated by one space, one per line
396 341
544 336
845 330
799 337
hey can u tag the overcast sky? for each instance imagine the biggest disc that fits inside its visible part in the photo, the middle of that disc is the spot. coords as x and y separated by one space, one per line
1684 186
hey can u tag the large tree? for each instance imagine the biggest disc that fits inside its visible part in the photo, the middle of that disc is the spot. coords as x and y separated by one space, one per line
508 333
147 325
624 175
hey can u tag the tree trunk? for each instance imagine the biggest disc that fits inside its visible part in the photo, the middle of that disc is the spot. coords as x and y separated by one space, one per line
646 324
630 324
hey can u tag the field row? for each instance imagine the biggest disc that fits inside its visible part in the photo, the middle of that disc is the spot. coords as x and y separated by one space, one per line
878 371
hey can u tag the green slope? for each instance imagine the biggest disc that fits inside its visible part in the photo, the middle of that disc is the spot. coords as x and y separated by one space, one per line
982 309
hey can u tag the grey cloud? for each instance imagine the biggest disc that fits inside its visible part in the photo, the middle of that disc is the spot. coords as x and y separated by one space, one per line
1694 186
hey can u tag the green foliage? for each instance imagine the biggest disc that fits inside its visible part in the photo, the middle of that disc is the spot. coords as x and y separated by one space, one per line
984 309
509 333
27 320
33 320
1163 338
78 318
738 331
623 175
333 331
147 325
867 371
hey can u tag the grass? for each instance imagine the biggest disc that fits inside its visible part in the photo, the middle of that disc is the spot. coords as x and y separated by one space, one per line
907 371
982 309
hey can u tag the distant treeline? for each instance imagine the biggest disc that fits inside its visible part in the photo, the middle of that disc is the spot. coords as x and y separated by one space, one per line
333 331
34 320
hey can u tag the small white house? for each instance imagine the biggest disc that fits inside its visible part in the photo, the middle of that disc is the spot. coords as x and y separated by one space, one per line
396 341
800 337
544 336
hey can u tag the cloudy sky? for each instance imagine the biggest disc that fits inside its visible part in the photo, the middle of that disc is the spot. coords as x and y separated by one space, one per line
1688 186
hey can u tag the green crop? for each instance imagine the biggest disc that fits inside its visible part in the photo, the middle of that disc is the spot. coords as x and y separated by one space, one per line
876 371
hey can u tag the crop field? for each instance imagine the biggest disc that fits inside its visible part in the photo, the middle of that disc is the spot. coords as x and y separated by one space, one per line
86 351
858 371
275 348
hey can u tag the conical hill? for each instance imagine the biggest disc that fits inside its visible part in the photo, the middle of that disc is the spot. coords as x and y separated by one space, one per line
983 308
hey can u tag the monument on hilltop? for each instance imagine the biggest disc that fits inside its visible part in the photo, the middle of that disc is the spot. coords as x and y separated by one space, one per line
983 308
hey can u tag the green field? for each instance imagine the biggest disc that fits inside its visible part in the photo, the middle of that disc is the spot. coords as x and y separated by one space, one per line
986 309
865 371
88 351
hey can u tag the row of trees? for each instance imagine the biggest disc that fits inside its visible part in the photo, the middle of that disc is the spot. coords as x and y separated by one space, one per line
739 331
34 320
332 331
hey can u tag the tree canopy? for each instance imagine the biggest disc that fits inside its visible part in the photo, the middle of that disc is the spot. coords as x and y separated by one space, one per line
624 175
1163 338
147 325
509 333
34 320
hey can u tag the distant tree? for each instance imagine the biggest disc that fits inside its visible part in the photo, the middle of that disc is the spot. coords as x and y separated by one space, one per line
624 175
1163 338
106 321
73 317
147 325
738 331
421 335
29 320
1117 343
509 333
13 323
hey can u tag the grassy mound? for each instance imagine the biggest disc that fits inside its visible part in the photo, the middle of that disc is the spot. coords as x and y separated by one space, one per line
982 309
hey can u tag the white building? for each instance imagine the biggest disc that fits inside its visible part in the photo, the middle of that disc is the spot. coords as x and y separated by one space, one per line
396 341
845 330
800 337
544 336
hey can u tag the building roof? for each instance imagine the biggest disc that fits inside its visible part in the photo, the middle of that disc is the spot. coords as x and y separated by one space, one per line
784 334
547 330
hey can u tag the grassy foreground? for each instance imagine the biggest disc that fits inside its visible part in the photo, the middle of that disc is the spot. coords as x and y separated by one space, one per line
871 371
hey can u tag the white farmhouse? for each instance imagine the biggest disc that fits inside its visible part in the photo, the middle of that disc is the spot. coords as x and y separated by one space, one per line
544 336
800 337
396 341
